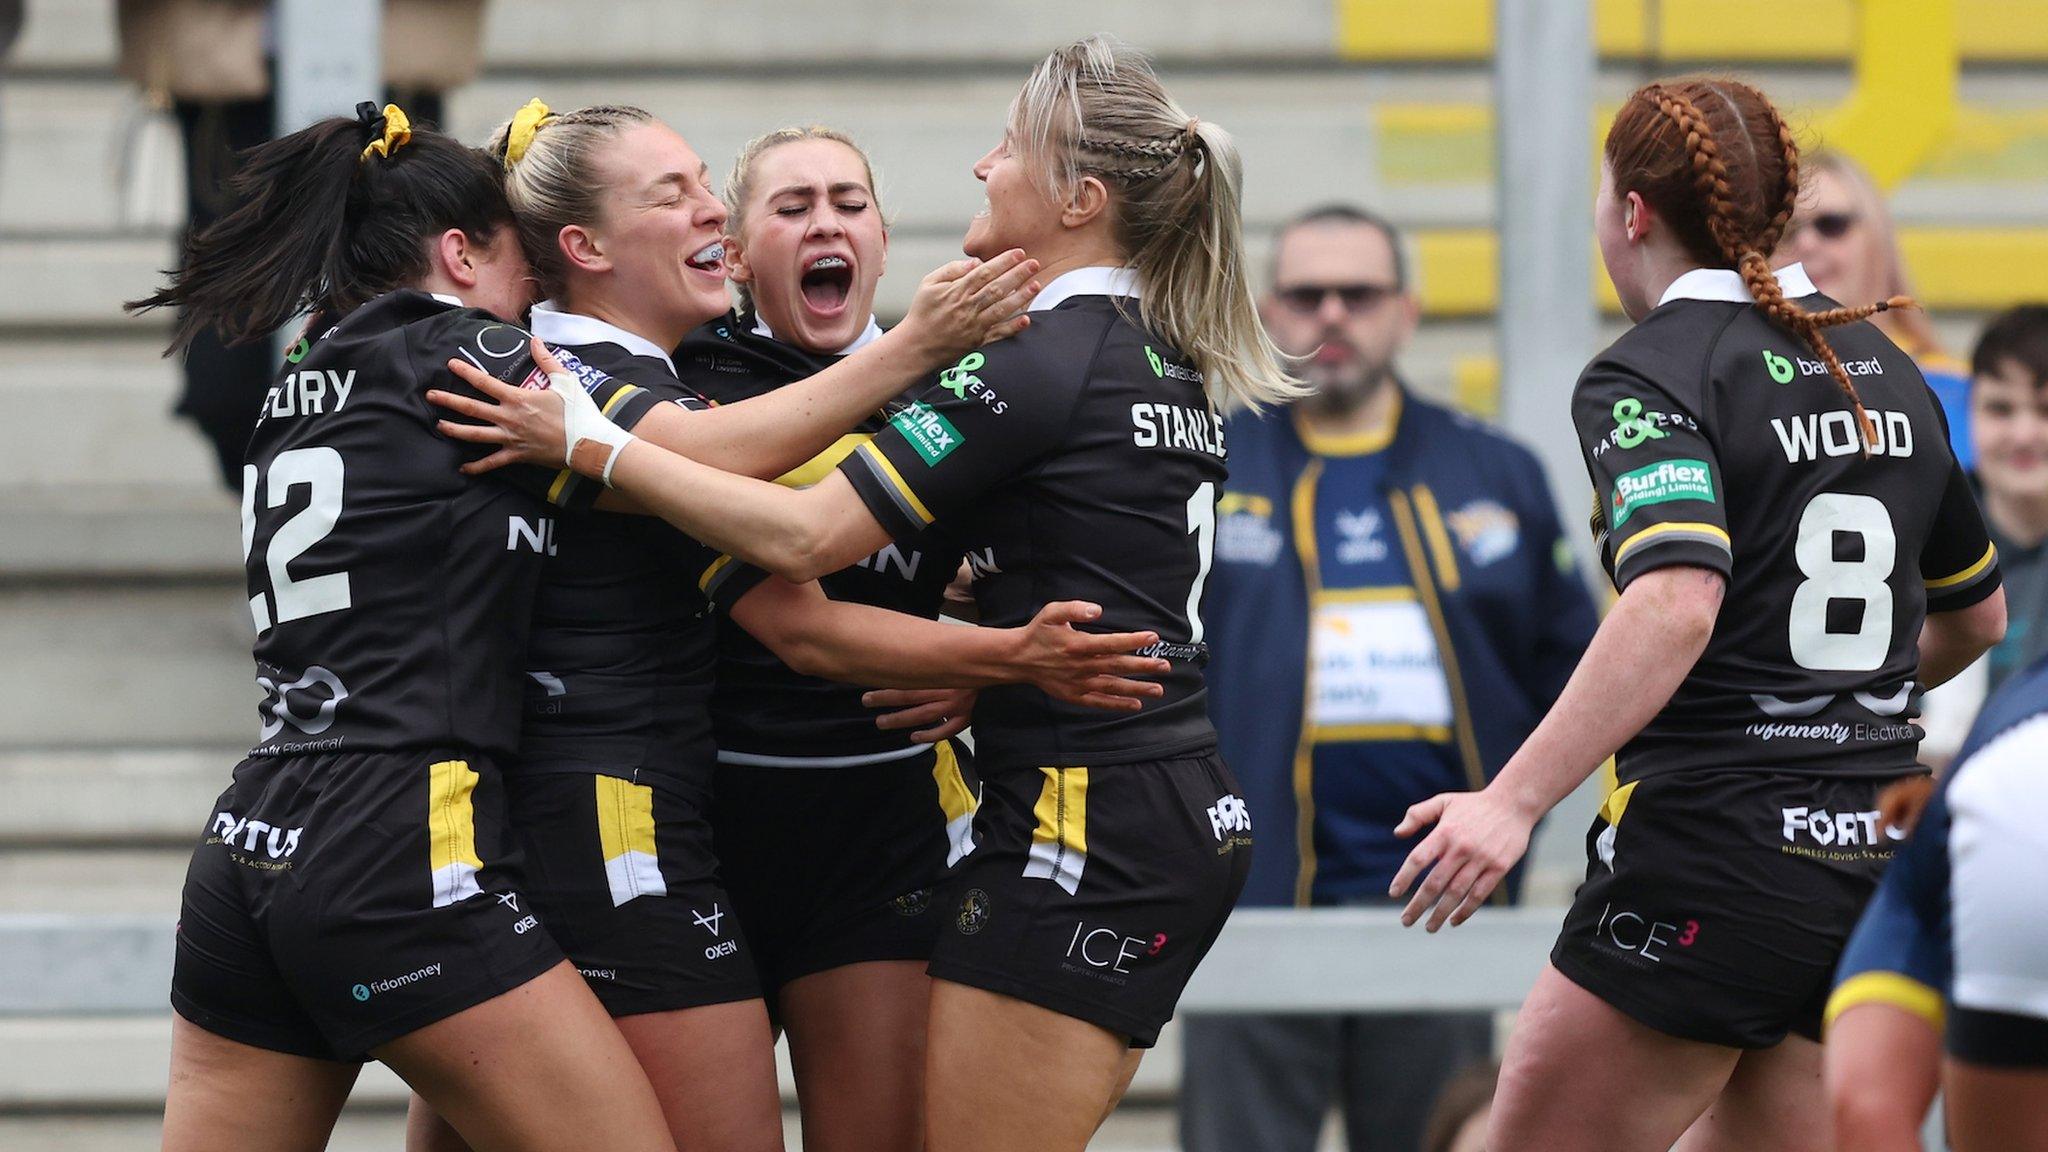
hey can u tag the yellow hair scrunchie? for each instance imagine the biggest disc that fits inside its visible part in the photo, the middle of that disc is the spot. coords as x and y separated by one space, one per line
525 123
397 131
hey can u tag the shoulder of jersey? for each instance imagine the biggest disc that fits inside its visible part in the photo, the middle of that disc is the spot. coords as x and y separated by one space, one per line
727 360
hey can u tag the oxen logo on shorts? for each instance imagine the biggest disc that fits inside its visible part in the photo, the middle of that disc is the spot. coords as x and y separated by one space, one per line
974 912
913 903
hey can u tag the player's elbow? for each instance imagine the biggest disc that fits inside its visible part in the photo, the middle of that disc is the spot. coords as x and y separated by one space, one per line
1978 627
1684 600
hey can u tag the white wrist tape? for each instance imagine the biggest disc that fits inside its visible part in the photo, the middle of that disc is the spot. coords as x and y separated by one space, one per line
582 421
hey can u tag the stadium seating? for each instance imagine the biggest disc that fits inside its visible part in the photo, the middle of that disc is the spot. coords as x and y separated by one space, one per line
125 693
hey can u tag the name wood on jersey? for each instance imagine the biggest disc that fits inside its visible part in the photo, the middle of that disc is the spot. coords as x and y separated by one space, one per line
1818 434
306 393
1176 426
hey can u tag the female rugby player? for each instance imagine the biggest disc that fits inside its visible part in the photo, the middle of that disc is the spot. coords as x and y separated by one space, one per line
607 794
1080 458
1739 454
348 900
807 782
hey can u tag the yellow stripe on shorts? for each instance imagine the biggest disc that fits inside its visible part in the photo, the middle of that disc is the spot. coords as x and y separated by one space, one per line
1059 845
625 833
451 832
957 801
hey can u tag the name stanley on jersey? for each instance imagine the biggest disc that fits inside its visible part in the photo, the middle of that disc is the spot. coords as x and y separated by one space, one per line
1176 426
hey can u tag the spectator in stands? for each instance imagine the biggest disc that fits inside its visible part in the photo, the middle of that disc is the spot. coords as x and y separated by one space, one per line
1398 569
2009 425
1842 232
210 62
1457 1123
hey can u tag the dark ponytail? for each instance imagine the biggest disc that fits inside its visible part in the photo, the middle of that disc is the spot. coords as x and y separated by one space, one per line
323 222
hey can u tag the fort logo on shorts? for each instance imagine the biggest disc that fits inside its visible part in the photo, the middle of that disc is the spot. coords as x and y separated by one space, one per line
931 434
1661 483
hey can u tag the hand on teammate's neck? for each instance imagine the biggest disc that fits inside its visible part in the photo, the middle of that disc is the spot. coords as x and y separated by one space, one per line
1366 414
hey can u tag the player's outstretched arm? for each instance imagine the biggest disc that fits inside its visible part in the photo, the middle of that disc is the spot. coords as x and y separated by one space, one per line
1638 658
799 535
861 644
957 309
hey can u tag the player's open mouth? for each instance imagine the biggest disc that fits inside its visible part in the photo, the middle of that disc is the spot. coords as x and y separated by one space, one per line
827 282
710 258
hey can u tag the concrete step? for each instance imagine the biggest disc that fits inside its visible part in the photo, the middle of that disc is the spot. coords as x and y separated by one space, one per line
95 666
101 881
96 413
134 797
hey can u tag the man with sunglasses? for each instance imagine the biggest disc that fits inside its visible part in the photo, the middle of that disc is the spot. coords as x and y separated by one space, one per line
1392 609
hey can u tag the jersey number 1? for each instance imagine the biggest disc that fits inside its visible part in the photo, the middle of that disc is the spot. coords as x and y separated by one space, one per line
319 469
1202 526
1862 581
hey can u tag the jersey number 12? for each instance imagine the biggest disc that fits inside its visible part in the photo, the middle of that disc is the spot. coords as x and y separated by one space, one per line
319 469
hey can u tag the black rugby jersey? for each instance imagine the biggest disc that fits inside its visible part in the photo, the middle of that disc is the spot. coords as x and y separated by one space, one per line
391 593
1716 438
765 712
622 659
1078 460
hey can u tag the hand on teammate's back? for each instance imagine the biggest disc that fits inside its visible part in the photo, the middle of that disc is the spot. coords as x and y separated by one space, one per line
948 711
528 425
1088 668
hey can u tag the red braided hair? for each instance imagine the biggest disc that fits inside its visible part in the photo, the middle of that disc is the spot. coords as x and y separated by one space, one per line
1721 167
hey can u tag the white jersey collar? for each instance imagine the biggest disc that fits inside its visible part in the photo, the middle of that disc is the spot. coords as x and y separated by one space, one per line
555 326
1726 284
445 298
868 335
1095 280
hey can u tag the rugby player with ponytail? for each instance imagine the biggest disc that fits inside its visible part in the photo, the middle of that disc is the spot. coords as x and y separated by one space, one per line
350 899
1797 556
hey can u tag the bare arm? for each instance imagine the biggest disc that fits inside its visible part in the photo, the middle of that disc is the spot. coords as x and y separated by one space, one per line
860 644
957 309
1638 658
1952 641
798 534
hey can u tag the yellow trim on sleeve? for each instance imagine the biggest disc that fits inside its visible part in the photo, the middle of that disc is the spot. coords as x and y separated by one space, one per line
820 466
561 482
711 573
1439 540
1983 562
619 397
1656 530
1893 988
888 472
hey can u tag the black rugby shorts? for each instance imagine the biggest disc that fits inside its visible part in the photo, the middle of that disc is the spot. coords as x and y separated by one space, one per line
1717 902
623 874
337 902
1095 892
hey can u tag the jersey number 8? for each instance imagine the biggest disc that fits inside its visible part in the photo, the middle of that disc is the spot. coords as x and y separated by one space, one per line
1828 516
319 469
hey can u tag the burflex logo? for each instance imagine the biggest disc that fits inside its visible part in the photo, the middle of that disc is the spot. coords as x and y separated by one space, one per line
1779 367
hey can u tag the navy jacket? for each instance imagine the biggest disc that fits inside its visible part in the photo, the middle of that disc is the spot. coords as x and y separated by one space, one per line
1473 516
